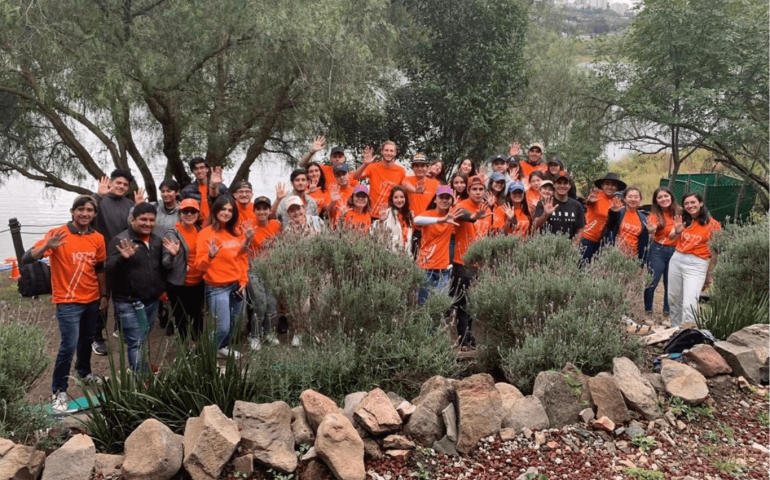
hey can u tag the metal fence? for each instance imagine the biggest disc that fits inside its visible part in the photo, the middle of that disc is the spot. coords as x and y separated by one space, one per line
723 195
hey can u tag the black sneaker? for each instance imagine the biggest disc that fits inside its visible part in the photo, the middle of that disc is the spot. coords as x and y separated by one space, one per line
99 348
170 329
162 316
283 325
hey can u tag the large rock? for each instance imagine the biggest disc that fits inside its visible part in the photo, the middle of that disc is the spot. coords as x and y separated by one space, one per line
108 466
395 399
637 391
572 376
351 403
303 432
153 452
608 400
656 381
508 395
560 399
377 414
397 442
340 447
72 461
706 360
424 426
756 337
479 411
21 463
743 360
449 416
683 381
527 412
445 446
209 442
5 446
266 433
435 394
317 406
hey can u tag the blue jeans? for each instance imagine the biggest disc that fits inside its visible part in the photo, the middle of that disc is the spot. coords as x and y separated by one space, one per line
437 279
77 324
132 333
589 249
657 262
225 307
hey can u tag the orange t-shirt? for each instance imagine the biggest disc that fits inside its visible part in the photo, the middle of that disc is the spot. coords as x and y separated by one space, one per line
695 238
418 202
193 276
73 273
596 217
263 235
330 178
230 264
628 233
204 211
527 168
469 232
434 245
245 214
320 199
661 234
522 221
532 196
382 179
358 221
345 194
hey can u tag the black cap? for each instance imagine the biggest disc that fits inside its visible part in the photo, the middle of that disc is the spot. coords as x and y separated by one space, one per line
243 184
557 161
262 199
501 158
337 149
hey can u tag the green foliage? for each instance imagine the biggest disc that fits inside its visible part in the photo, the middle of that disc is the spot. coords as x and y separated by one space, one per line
727 466
764 419
546 312
681 409
712 436
643 474
644 443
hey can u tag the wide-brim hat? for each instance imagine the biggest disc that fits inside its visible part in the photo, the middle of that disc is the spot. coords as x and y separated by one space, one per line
611 176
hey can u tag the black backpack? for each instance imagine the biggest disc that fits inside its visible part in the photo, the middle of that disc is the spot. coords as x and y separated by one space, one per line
35 279
688 338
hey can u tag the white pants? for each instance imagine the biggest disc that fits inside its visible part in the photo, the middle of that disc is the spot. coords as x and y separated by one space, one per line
686 276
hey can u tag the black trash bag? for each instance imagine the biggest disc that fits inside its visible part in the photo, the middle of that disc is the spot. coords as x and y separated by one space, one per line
688 338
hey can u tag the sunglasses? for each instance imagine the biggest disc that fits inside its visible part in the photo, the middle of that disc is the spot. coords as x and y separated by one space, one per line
188 211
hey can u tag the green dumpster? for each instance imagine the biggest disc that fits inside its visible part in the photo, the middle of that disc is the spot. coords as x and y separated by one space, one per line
725 196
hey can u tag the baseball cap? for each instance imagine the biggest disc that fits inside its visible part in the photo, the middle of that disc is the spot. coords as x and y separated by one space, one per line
546 182
361 189
538 145
243 184
444 190
476 179
499 158
294 201
513 160
497 177
189 203
557 161
263 199
342 167
516 187
337 149
419 158
561 175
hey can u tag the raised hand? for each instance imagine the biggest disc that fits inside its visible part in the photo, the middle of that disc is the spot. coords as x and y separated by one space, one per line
319 143
335 193
510 212
368 155
420 188
490 199
55 241
281 191
678 224
213 248
313 186
171 245
216 176
549 206
104 186
616 204
651 227
515 149
451 217
127 248
139 196
593 196
384 212
514 171
248 230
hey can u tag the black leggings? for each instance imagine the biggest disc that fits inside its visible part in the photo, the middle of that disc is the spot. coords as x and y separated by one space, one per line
462 276
187 307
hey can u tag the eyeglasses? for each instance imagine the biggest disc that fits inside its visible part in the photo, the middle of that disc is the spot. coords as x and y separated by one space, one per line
188 211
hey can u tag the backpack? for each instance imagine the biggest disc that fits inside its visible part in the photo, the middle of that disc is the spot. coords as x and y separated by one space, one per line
35 279
688 338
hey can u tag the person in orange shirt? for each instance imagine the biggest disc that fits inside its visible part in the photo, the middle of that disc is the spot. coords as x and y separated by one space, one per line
336 157
533 194
222 256
512 217
79 290
438 225
382 175
243 195
689 271
626 225
317 187
184 281
597 209
659 224
420 188
496 187
534 161
357 215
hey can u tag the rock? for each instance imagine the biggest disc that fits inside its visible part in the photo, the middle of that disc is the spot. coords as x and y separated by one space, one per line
395 399
706 360
561 402
756 337
310 455
372 449
303 432
637 391
526 413
209 442
670 418
108 466
266 433
445 447
424 426
435 394
21 462
508 434
604 423
743 360
317 406
244 464
405 410
635 428
573 374
508 395
340 447
760 448
656 381
540 438
608 400
531 473
376 413
153 452
397 453
351 402
316 470
683 381
72 461
479 411
449 416
660 336
764 372
5 446
586 415
397 442
680 425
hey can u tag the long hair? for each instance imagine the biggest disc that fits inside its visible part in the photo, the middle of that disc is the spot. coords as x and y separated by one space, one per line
321 179
404 211
464 194
704 217
524 206
367 209
501 195
674 209
473 167
219 204
536 173
441 177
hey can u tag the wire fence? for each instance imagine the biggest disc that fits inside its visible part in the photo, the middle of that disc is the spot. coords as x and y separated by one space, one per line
724 196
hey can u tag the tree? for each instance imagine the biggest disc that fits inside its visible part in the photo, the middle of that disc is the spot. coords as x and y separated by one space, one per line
692 74
93 85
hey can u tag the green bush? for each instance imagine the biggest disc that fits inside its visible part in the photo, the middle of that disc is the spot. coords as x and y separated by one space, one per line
544 311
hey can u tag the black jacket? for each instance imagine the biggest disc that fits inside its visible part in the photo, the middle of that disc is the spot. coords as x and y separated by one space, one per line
140 277
112 217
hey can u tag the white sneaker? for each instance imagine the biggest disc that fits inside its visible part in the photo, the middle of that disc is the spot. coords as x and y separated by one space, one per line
92 379
272 339
255 344
225 352
60 404
297 340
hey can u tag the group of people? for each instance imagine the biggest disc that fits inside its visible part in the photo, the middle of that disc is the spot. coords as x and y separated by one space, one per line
195 245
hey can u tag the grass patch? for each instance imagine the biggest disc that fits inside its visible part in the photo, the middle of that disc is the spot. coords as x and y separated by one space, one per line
642 474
